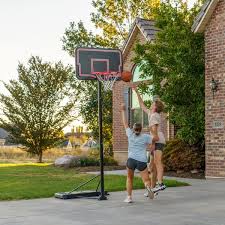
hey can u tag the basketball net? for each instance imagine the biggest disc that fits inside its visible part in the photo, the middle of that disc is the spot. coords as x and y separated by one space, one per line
107 79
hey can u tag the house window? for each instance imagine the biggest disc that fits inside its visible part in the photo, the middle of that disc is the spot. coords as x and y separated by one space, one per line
176 128
137 114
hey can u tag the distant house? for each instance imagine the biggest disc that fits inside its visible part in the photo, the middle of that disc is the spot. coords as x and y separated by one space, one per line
3 136
66 144
90 143
77 138
2 141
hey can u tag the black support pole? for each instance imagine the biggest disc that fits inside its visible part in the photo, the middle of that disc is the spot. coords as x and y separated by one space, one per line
102 197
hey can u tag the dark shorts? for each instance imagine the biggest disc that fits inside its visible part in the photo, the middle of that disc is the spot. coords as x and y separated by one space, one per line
135 164
159 146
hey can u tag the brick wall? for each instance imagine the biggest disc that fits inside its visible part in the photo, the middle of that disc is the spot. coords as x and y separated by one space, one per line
215 108
119 137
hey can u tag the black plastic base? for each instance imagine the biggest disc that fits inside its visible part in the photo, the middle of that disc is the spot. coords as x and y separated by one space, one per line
102 197
82 194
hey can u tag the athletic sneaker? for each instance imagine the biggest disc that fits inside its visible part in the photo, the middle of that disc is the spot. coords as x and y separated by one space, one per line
146 194
150 192
159 187
128 199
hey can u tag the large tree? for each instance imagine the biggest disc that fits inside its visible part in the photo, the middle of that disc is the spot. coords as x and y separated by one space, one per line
175 62
113 19
38 105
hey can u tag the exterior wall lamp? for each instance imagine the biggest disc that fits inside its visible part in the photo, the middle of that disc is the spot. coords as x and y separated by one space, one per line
214 86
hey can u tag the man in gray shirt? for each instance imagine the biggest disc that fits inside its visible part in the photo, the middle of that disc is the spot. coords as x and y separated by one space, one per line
137 159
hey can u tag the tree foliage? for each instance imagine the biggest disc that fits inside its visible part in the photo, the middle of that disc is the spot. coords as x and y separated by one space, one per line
39 105
175 62
87 92
115 18
78 36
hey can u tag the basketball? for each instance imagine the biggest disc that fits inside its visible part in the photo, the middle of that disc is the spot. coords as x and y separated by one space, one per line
126 76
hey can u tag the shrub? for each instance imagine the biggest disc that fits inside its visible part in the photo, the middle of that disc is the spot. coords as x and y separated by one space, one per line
89 161
180 156
110 161
93 153
93 159
76 162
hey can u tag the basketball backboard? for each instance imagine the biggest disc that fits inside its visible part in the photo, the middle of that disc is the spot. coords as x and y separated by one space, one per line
90 61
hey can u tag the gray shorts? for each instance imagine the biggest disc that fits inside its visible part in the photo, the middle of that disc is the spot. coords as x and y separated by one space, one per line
135 164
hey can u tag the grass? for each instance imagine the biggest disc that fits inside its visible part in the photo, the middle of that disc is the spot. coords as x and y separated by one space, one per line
22 181
23 164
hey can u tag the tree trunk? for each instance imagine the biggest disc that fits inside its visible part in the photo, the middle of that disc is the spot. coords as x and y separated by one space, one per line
40 157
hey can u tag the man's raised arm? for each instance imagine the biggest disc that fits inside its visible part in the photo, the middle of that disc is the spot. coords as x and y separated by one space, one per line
124 118
140 100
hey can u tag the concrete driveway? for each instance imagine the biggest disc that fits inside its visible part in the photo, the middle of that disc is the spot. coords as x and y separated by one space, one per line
201 203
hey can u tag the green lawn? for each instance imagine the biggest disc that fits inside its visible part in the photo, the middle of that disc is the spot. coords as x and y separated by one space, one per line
43 180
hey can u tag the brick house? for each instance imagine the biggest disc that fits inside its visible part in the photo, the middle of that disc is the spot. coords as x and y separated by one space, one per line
141 32
211 21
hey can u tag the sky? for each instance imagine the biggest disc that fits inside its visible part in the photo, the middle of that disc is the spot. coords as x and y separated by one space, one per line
35 27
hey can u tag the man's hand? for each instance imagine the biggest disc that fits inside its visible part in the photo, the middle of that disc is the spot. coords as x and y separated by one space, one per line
133 86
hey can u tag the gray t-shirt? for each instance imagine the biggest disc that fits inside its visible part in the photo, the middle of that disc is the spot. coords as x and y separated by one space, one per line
137 145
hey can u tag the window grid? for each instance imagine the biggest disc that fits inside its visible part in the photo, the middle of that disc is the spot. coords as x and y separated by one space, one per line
137 115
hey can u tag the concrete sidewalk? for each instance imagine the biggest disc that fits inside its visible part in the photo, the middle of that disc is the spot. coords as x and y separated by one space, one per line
202 203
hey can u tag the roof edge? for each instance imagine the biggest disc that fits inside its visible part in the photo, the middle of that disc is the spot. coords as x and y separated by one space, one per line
136 24
204 16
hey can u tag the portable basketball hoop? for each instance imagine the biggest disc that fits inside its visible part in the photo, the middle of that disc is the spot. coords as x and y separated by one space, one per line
107 79
105 66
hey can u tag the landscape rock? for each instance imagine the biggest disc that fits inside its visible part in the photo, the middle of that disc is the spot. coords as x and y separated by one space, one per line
67 161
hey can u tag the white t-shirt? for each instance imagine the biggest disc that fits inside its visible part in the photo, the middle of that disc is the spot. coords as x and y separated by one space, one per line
155 119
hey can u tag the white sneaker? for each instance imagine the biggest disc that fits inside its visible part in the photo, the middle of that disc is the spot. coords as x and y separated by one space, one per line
128 199
146 194
150 192
159 187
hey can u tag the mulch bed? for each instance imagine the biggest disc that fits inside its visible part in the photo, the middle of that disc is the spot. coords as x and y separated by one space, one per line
97 168
200 175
